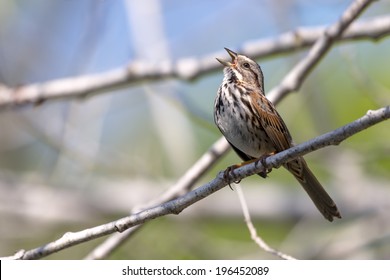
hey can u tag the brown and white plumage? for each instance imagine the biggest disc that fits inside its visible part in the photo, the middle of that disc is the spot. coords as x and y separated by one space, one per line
253 127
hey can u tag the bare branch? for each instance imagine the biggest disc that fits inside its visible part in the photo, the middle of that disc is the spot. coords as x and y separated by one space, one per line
255 237
179 204
183 186
295 78
186 68
302 37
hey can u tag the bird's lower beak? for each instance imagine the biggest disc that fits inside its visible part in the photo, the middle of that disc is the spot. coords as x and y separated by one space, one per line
233 55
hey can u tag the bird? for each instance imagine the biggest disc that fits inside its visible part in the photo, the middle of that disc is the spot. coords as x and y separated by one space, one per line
254 128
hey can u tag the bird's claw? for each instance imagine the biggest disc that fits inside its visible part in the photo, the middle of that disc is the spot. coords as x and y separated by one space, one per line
265 171
226 176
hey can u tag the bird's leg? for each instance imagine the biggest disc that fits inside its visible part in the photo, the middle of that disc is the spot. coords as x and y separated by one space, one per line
231 168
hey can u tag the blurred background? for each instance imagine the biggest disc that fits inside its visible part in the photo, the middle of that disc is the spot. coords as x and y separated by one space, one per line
66 165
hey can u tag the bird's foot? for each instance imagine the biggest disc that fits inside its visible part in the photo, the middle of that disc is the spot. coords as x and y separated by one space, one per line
262 160
229 173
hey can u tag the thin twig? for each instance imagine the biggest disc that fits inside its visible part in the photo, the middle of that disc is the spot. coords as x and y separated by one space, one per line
252 230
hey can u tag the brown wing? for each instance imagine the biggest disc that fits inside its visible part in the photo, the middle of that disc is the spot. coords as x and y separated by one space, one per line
273 124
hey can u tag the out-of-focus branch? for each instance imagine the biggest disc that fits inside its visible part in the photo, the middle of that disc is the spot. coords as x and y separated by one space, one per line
179 204
182 186
186 68
294 79
303 37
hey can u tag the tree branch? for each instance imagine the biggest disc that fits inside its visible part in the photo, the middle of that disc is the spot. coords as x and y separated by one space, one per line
183 186
297 75
179 204
186 68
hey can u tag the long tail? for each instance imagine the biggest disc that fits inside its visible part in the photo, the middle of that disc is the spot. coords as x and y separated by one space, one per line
317 193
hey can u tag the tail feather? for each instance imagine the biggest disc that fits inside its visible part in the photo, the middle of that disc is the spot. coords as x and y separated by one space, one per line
314 189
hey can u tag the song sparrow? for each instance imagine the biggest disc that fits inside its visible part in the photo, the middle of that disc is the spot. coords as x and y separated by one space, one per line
253 127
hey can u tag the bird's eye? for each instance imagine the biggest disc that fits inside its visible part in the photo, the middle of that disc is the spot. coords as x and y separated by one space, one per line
246 65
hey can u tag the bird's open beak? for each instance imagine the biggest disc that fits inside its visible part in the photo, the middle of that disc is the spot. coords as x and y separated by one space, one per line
233 55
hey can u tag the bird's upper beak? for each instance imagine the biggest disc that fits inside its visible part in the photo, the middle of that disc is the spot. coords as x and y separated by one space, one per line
233 55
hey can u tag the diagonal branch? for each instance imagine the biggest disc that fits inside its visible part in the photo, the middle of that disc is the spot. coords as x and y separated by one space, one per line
185 68
182 186
303 37
297 75
179 204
